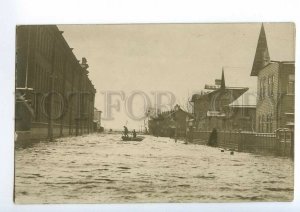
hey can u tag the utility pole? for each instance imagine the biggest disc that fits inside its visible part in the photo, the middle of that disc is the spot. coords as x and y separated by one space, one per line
50 104
176 108
27 58
77 119
175 131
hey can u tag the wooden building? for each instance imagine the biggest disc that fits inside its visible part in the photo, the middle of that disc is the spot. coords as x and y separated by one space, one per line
168 122
274 67
211 106
54 95
241 118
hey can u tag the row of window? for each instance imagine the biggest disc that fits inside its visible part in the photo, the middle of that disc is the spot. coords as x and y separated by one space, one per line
59 63
265 123
44 42
42 82
42 79
266 87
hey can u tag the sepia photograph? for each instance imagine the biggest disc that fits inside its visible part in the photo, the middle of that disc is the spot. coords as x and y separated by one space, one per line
154 113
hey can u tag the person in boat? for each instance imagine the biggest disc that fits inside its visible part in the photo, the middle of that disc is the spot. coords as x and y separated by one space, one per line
125 131
133 133
213 138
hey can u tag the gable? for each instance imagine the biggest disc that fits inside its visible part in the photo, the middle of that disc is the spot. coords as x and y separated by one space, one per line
276 42
262 56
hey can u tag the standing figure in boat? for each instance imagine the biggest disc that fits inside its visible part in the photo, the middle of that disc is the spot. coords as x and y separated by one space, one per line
133 133
213 138
125 131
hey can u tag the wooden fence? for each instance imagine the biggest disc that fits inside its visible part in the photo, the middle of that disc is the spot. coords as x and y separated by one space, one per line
280 143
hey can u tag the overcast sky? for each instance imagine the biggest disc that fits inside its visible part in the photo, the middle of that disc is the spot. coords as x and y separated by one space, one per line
179 58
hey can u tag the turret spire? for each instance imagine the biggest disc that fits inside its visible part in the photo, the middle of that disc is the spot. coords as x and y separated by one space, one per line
223 79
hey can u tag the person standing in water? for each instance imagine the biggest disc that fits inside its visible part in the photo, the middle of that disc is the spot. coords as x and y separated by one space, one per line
213 138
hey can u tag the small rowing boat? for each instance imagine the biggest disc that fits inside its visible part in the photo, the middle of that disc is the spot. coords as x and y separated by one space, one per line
138 138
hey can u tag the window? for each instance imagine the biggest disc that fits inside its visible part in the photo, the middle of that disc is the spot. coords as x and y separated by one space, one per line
259 123
262 123
271 122
266 57
47 46
260 89
38 37
35 75
267 123
264 87
291 84
45 84
42 42
270 85
36 88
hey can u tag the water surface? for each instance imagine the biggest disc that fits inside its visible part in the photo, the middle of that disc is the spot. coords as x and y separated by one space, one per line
100 168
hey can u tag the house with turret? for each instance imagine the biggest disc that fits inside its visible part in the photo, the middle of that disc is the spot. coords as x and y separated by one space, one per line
274 67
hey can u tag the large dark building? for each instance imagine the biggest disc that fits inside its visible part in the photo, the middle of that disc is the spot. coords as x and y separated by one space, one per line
169 123
211 106
274 67
54 95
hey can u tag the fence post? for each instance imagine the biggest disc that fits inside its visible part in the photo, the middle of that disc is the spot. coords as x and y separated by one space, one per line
284 152
292 145
240 141
278 145
224 137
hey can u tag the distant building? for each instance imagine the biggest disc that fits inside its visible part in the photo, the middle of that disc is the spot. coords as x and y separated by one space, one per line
97 120
165 123
54 95
274 67
211 106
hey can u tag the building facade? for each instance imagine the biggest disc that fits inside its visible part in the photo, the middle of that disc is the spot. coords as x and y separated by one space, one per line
54 95
211 106
242 118
169 123
275 86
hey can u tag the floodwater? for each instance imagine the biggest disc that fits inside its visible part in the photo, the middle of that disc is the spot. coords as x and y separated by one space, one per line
100 168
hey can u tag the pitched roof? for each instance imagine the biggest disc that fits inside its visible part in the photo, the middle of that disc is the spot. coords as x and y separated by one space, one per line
170 112
248 98
242 106
235 91
276 42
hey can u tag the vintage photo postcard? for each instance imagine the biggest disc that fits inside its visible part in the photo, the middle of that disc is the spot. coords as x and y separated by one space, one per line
148 113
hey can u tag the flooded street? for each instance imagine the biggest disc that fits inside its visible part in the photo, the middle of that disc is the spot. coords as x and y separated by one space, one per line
100 168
